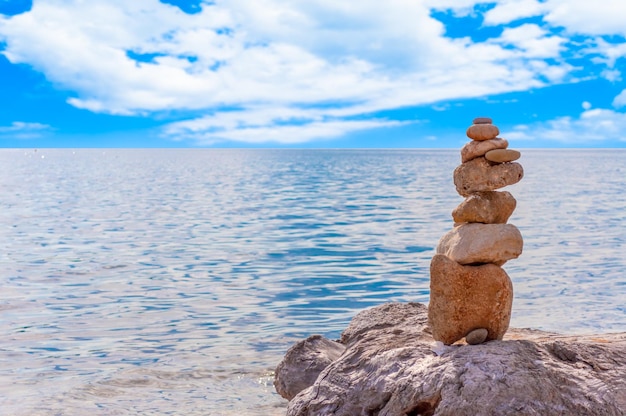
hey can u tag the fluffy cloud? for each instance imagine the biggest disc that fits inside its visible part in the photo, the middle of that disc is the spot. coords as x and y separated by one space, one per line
510 10
336 60
600 17
258 125
593 125
23 130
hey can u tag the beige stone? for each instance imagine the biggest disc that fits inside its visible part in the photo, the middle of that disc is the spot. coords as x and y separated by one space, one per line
474 243
477 336
479 175
488 207
477 148
502 155
482 120
465 298
482 132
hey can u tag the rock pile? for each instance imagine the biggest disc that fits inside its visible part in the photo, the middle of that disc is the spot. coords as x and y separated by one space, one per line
470 294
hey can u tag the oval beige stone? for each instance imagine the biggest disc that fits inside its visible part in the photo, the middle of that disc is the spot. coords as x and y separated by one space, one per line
474 243
482 132
464 298
477 148
477 336
488 207
502 155
479 175
482 120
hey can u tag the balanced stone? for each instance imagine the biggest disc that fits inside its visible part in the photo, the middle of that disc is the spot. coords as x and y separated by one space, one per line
474 243
502 155
488 207
482 120
482 132
465 298
477 336
479 175
476 148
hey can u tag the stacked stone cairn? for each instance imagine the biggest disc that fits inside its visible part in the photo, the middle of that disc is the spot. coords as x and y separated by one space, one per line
470 294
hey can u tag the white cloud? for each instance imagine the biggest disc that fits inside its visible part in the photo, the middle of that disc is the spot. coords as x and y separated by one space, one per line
598 17
278 125
24 130
340 59
534 41
509 10
593 125
620 100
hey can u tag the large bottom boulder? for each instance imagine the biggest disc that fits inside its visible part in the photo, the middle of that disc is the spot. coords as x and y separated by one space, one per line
391 366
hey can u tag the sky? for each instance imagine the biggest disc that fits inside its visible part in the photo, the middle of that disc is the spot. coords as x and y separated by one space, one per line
311 73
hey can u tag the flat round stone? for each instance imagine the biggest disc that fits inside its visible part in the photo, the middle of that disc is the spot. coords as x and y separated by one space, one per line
482 120
482 132
502 155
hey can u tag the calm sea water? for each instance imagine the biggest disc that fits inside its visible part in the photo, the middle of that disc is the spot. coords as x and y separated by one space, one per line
172 281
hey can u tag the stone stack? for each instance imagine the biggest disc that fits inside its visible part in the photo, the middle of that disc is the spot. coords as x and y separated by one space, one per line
470 294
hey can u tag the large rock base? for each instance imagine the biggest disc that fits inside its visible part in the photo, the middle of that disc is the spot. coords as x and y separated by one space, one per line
391 366
465 298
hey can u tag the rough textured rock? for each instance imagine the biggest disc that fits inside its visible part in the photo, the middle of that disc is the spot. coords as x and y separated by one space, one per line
303 363
479 175
502 155
474 243
489 207
465 298
482 132
390 369
475 148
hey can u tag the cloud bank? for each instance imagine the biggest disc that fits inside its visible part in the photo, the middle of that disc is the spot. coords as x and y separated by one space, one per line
23 130
290 71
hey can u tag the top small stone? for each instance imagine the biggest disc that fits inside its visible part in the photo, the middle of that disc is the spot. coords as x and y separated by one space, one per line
482 132
482 120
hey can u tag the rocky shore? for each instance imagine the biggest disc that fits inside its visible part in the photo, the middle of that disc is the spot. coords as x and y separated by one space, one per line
388 364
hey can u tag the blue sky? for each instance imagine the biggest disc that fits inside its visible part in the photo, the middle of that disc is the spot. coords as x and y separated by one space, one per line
310 73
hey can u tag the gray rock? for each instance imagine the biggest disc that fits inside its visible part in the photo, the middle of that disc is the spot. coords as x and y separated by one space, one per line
303 363
390 368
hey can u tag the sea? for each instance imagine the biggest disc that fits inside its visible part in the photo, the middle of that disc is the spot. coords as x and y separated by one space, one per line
172 281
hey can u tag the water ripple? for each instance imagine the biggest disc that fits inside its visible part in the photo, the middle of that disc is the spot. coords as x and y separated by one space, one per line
172 281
